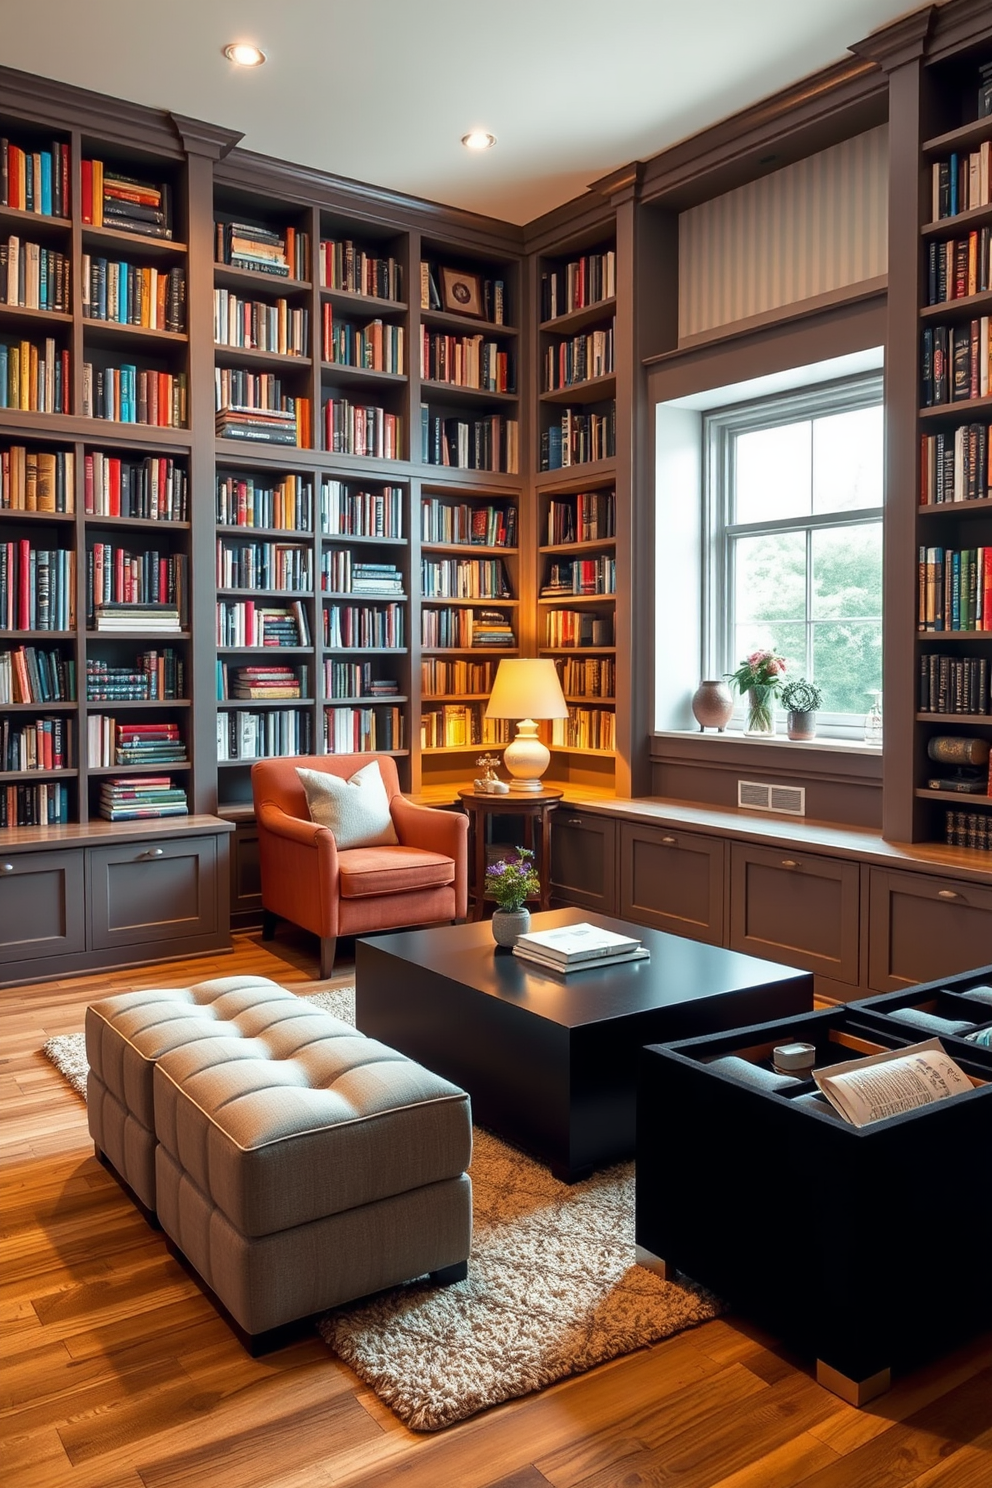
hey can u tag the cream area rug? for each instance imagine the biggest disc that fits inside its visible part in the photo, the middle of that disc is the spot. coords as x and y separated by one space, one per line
552 1290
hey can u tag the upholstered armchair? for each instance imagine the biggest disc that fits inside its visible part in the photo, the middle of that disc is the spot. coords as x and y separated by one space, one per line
306 878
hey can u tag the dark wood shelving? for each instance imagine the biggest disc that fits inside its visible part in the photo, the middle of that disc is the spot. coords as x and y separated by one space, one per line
957 508
962 308
944 227
228 277
115 240
445 320
456 392
34 317
577 320
361 304
9 776
250 357
110 331
12 218
969 719
964 408
962 137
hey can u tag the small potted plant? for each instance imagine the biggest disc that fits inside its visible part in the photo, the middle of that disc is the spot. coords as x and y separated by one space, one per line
801 698
511 882
760 676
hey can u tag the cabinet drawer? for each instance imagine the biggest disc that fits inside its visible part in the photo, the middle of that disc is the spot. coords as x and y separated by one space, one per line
797 908
150 891
583 860
673 881
924 928
41 906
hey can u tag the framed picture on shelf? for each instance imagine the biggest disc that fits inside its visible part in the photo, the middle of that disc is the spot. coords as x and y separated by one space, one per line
461 293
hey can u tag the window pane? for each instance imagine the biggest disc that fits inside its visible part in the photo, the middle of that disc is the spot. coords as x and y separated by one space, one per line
847 663
847 572
770 578
773 473
847 460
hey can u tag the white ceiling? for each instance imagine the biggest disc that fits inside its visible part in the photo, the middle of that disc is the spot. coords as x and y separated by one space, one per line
383 90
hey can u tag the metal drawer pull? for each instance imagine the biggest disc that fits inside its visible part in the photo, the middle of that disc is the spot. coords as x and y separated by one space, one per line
153 852
668 841
574 821
6 867
947 894
789 863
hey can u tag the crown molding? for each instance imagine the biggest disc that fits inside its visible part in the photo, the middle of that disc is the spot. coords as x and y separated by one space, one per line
200 138
903 41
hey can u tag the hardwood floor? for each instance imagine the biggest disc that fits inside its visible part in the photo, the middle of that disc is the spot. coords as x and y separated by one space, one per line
117 1372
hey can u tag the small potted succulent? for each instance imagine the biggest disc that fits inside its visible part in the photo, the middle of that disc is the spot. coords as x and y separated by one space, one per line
801 698
511 882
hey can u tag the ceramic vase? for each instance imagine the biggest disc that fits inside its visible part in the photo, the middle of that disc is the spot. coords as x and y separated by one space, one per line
801 725
712 705
508 924
760 710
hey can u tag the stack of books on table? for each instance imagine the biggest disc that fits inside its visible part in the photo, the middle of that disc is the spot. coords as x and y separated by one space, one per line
578 948
130 797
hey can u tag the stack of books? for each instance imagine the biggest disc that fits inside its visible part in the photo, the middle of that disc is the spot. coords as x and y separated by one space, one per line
492 628
245 245
149 617
376 578
149 744
130 797
126 203
265 682
578 948
257 425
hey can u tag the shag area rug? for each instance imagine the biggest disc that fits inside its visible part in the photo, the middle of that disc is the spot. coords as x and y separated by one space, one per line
553 1288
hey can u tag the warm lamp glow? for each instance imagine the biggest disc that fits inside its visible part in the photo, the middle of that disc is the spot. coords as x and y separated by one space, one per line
244 54
526 689
478 139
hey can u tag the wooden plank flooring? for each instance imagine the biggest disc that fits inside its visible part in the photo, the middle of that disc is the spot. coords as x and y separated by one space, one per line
117 1372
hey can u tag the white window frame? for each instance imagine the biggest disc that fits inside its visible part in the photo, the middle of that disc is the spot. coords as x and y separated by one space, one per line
720 427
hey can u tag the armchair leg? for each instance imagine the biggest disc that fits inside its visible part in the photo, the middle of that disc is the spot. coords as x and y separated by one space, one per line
328 944
268 925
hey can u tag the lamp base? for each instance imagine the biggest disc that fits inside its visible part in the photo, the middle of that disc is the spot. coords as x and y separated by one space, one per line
526 758
525 787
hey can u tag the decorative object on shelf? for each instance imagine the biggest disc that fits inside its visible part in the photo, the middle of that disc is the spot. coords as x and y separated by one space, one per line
511 882
526 689
801 699
490 784
760 676
873 720
461 293
712 705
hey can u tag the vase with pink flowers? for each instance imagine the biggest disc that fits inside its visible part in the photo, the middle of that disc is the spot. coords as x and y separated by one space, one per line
760 676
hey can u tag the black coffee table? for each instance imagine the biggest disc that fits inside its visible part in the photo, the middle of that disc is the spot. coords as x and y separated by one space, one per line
551 1062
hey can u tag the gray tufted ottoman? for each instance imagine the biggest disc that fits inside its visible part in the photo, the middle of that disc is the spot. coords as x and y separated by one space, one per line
296 1164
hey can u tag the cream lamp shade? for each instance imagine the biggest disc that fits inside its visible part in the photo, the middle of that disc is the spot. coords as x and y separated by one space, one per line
526 689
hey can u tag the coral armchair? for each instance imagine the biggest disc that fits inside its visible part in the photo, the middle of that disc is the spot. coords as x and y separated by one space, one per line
307 879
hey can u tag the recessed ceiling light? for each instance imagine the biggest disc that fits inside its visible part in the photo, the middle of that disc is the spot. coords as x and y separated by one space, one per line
244 54
478 139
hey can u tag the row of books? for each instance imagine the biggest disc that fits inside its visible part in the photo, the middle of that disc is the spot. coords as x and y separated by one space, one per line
960 182
31 674
42 744
117 576
463 578
439 678
454 522
579 359
258 326
110 742
959 267
34 379
588 676
137 797
579 439
37 587
273 566
364 626
466 361
34 277
132 395
587 516
157 675
245 623
243 734
342 573
124 202
460 292
356 679
955 589
362 429
376 347
956 466
355 730
461 726
238 387
345 265
345 512
273 681
956 362
130 294
585 728
953 684
578 628
968 829
155 488
573 948
462 629
488 443
253 501
135 617
35 180
282 252
582 576
43 805
37 480
584 281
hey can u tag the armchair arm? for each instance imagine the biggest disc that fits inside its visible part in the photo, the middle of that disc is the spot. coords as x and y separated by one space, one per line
437 831
299 863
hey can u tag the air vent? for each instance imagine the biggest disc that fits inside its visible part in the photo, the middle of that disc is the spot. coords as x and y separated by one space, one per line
790 799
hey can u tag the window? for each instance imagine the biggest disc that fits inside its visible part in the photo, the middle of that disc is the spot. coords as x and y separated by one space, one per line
793 540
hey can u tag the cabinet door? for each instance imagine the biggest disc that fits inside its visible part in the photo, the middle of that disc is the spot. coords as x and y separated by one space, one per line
583 860
246 875
152 891
921 928
673 881
41 907
797 908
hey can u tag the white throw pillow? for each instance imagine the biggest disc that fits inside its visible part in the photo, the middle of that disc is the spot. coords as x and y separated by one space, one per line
356 810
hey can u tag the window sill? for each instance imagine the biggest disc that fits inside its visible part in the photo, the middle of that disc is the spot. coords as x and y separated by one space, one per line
838 759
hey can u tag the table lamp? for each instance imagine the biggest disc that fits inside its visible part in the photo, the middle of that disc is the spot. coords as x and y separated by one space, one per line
526 689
